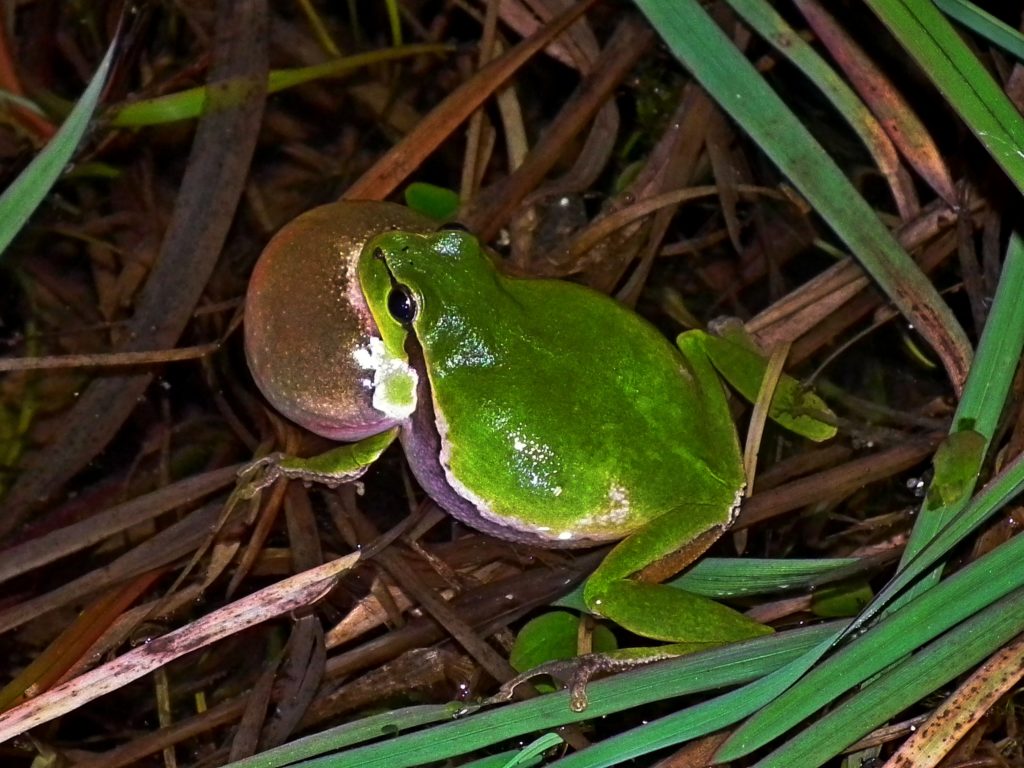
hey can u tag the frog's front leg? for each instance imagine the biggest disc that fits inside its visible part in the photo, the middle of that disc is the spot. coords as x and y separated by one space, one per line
624 587
793 406
332 468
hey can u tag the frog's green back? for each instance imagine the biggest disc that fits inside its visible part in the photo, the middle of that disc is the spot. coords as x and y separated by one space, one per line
562 409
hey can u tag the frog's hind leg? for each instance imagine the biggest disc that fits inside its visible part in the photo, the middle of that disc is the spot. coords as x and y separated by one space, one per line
622 587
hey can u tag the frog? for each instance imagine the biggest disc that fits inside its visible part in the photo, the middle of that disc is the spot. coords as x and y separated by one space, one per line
537 411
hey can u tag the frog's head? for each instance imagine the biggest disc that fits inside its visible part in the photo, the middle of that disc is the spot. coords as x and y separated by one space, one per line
311 341
422 282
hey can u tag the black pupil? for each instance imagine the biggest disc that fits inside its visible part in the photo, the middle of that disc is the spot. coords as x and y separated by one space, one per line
401 305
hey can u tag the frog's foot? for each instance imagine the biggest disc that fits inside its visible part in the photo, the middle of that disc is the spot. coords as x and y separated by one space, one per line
258 474
575 674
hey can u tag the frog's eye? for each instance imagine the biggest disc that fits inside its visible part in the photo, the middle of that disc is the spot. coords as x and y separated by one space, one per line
401 304
453 226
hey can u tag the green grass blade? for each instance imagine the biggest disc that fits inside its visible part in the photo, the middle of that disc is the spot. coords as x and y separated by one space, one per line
970 591
723 577
500 760
941 526
964 82
988 386
367 729
738 88
23 196
696 721
985 24
706 671
188 104
908 682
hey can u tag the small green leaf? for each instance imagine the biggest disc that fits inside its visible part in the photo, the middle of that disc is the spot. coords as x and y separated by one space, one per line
554 636
841 600
957 464
431 200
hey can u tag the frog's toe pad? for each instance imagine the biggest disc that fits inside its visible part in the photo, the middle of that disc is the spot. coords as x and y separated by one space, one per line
575 674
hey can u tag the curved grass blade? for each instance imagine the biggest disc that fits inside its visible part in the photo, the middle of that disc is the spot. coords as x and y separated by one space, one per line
23 196
909 681
969 592
738 88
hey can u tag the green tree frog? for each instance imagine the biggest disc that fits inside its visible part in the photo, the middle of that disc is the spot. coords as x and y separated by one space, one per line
534 410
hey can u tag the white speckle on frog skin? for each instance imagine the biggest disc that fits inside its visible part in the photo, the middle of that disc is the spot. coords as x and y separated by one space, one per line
394 381
482 506
613 515
534 461
450 245
619 500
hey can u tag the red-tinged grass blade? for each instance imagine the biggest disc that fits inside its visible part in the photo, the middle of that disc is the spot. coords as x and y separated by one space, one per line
770 25
291 594
907 132
401 160
738 88
967 86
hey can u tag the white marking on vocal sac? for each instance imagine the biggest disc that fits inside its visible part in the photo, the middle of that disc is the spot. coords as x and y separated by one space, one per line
737 500
394 381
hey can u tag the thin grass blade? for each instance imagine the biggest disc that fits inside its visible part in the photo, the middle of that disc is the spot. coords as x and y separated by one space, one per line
21 198
733 82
